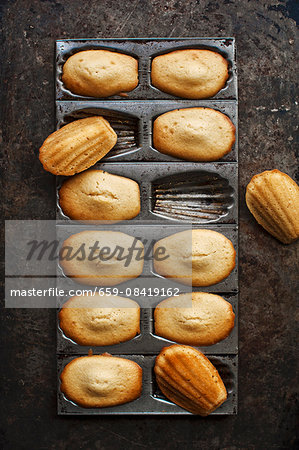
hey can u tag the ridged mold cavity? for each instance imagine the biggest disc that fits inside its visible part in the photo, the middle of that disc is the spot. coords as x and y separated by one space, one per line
198 197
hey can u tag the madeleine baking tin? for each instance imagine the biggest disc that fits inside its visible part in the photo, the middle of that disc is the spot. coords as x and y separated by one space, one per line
179 192
144 50
174 194
147 342
133 122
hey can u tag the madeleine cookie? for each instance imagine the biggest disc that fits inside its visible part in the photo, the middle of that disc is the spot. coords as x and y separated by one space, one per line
97 320
194 134
77 146
273 199
101 380
98 195
198 257
198 319
190 73
100 73
189 379
102 258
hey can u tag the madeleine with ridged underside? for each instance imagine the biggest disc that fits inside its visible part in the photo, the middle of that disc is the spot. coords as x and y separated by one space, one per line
189 379
100 381
77 146
273 199
100 73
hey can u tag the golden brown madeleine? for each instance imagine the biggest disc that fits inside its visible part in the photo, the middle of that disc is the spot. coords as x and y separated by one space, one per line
273 199
190 73
199 257
101 380
194 134
100 73
77 146
97 320
98 195
102 258
196 318
189 379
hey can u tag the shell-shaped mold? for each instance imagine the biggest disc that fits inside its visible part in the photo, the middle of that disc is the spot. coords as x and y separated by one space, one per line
273 199
199 197
124 125
189 379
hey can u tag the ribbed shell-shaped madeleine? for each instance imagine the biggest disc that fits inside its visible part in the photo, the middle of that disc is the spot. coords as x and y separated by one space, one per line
273 199
189 379
77 146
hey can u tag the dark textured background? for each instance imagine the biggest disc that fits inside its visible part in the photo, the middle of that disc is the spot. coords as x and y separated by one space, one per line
265 33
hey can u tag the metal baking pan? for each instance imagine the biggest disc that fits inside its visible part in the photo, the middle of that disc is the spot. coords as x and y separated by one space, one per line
152 232
169 187
152 401
147 342
133 124
145 50
167 190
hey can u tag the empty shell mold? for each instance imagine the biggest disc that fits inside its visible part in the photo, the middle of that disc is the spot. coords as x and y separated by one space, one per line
198 196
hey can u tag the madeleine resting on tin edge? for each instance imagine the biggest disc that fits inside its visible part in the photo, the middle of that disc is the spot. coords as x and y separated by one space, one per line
77 146
187 378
